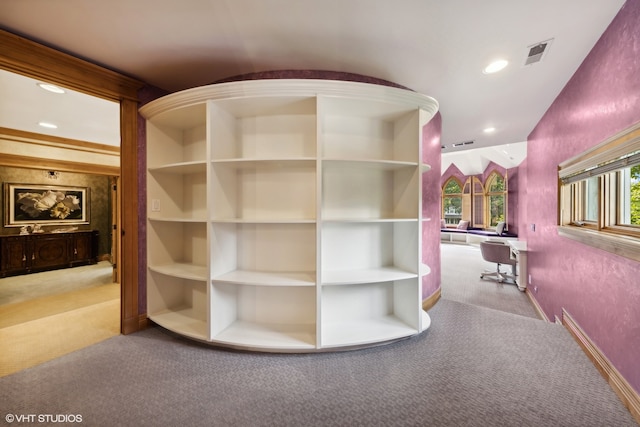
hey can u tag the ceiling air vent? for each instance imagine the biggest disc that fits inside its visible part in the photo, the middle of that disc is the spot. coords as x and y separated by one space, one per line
537 52
460 144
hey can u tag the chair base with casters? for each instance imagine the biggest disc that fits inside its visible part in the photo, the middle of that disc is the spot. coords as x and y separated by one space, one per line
499 276
500 254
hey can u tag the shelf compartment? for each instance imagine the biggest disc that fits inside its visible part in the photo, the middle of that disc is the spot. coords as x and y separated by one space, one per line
366 313
370 190
182 270
365 129
179 305
361 250
264 127
264 190
177 244
177 136
177 219
370 275
258 317
280 252
182 168
177 195
267 278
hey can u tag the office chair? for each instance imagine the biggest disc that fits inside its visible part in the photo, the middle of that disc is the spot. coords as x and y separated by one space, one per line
500 254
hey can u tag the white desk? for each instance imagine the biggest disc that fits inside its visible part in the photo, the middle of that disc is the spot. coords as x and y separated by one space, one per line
519 253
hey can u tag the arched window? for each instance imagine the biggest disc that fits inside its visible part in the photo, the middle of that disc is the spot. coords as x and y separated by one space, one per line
496 198
452 201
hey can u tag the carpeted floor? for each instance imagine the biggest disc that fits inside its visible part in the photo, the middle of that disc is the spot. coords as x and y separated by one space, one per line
40 329
485 360
46 315
17 289
474 367
461 282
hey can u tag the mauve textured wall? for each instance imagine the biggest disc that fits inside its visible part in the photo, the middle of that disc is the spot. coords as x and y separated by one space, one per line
521 209
601 291
431 155
453 170
310 74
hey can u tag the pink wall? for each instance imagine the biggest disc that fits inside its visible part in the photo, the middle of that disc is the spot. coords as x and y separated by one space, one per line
520 212
431 155
601 291
453 170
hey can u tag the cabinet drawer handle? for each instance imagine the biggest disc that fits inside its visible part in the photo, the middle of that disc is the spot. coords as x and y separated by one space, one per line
33 256
75 251
24 257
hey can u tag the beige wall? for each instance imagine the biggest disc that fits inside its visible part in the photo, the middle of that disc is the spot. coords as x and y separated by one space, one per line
99 198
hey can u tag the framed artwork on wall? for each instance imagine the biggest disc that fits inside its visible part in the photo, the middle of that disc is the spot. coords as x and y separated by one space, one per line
26 204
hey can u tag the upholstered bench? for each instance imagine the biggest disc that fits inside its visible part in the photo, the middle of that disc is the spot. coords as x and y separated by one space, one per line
471 235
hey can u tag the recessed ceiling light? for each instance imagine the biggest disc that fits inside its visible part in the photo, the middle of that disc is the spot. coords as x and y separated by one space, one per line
51 88
48 125
489 130
495 66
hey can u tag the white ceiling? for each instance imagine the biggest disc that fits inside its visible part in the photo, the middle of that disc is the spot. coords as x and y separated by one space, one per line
23 104
435 47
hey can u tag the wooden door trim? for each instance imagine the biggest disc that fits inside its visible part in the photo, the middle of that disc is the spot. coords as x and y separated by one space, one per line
38 61
26 57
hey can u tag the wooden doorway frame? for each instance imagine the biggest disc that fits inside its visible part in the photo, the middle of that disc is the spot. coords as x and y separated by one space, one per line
25 57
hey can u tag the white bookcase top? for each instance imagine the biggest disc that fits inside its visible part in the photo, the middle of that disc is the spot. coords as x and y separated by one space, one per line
282 88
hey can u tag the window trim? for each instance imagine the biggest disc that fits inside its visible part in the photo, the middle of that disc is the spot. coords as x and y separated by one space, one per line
612 148
625 246
478 213
606 234
488 194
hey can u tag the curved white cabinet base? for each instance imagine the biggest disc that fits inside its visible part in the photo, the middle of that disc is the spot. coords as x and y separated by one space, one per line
285 215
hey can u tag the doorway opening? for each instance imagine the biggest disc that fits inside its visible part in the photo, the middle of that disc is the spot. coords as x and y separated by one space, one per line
56 309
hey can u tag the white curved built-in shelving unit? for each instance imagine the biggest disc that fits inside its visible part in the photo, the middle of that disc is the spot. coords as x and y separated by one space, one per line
284 215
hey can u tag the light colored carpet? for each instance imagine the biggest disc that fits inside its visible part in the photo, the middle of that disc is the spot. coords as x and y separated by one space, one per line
28 286
42 329
46 315
461 268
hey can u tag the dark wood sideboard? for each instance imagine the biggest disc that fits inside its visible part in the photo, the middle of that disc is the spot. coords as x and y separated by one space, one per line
24 254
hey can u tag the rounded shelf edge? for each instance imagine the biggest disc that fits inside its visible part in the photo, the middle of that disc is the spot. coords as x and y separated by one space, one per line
289 87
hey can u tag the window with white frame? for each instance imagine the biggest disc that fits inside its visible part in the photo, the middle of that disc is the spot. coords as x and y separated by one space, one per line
600 195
